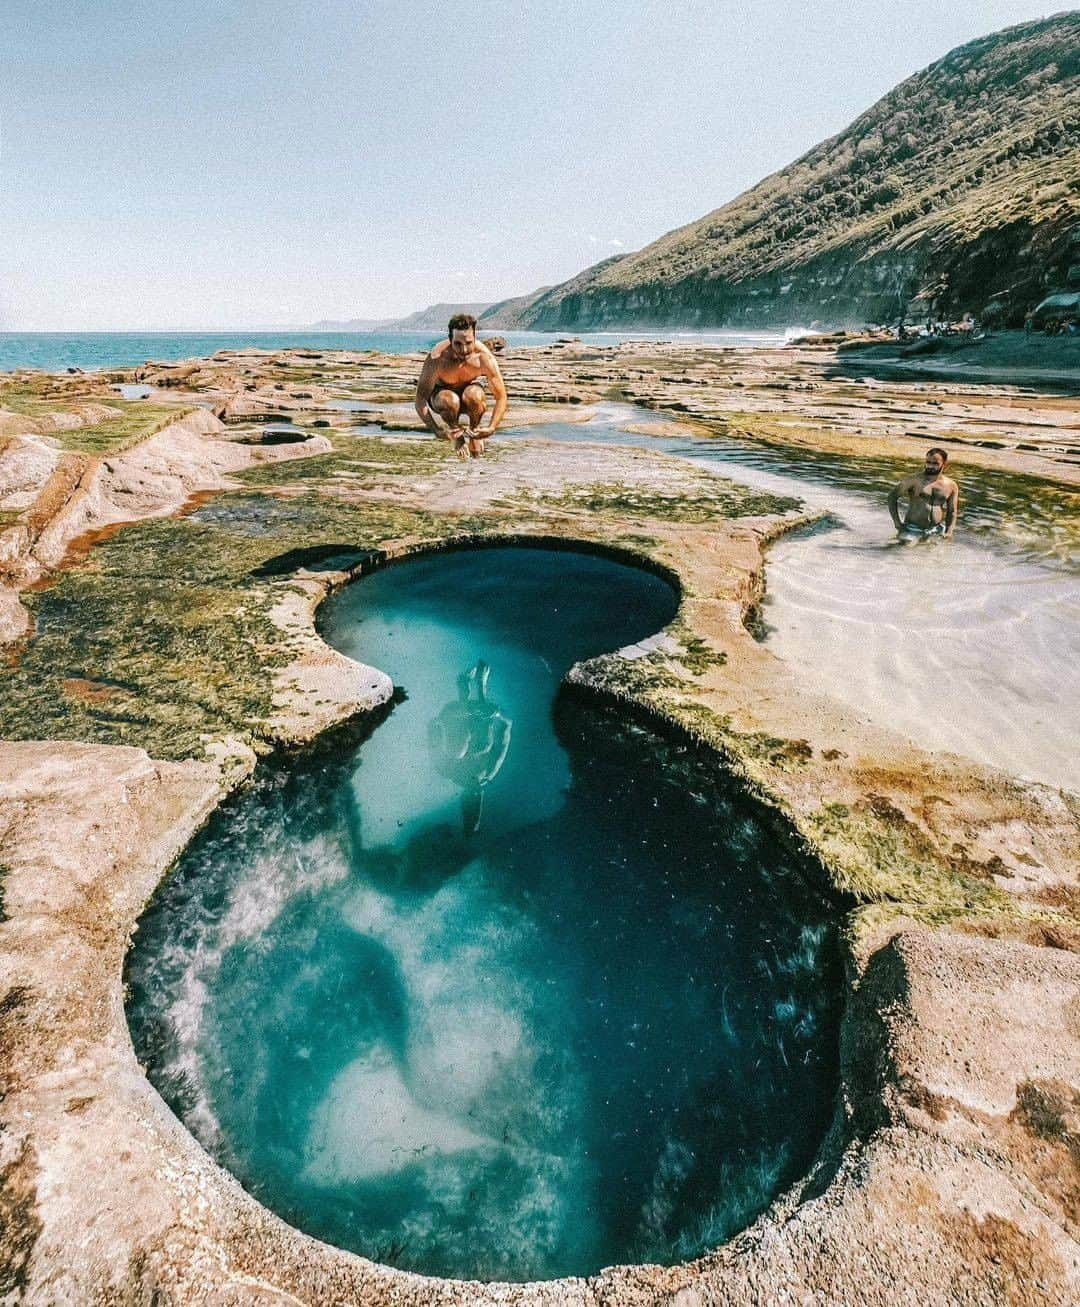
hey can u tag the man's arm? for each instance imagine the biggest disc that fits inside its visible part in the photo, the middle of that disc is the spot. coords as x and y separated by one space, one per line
952 507
894 500
498 390
428 376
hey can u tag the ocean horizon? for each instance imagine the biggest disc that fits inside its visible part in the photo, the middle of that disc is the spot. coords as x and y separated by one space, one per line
53 351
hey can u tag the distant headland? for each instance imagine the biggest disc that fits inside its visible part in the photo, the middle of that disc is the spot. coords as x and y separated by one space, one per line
957 192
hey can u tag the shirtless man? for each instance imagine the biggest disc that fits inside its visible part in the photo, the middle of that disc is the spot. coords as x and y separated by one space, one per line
932 500
451 388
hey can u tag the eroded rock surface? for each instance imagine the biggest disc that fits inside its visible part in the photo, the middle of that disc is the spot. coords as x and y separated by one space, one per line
172 652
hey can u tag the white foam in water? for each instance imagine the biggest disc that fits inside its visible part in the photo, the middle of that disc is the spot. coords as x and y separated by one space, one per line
467 1094
521 1220
462 962
258 898
186 1017
743 1193
675 1163
255 903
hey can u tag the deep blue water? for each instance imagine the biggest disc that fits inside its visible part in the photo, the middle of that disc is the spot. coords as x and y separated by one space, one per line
512 988
53 351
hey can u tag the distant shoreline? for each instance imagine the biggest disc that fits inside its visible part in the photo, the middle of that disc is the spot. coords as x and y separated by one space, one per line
1005 358
55 351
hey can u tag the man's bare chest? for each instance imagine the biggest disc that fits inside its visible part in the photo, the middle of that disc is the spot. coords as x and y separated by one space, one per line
455 373
932 492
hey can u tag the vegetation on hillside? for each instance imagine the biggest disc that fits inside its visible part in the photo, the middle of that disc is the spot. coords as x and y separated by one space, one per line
977 157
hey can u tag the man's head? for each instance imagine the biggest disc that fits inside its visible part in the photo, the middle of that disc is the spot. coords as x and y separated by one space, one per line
936 459
462 332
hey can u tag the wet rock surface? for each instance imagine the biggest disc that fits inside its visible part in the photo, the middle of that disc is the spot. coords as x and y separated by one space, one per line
169 653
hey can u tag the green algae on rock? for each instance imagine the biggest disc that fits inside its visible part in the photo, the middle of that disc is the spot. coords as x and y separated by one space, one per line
86 424
167 615
712 498
170 619
354 455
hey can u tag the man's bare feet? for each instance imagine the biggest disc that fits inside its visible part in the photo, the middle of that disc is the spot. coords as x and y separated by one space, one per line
461 447
476 446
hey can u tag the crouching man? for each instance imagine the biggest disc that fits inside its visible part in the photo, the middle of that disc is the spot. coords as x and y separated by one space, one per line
450 396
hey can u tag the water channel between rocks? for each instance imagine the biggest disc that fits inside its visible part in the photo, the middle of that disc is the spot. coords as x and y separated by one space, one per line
513 988
968 645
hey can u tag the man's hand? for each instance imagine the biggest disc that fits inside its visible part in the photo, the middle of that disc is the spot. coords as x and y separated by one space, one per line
482 433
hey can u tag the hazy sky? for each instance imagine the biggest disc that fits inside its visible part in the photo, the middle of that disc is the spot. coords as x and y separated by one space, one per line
220 164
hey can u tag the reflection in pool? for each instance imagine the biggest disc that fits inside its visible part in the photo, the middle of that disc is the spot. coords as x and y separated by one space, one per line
513 988
469 741
129 390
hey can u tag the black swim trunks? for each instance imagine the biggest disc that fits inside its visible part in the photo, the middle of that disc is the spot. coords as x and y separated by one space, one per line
458 390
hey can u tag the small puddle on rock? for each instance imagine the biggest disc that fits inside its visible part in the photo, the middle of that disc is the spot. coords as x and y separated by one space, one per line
276 434
514 988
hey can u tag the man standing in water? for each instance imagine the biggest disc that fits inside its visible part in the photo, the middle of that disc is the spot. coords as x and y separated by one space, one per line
932 500
451 388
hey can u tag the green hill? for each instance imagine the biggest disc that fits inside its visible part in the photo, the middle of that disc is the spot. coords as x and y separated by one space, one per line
957 190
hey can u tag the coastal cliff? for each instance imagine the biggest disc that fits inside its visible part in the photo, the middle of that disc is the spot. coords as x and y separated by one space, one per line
958 191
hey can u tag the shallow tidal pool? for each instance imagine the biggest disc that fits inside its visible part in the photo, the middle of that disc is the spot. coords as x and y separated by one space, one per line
964 646
512 988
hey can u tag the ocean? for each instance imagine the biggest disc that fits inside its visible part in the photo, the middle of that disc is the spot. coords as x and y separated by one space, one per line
53 351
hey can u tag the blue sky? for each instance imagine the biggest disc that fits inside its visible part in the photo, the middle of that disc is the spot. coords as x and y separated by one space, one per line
218 165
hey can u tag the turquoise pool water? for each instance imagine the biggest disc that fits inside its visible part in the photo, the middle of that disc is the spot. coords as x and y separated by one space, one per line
512 988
